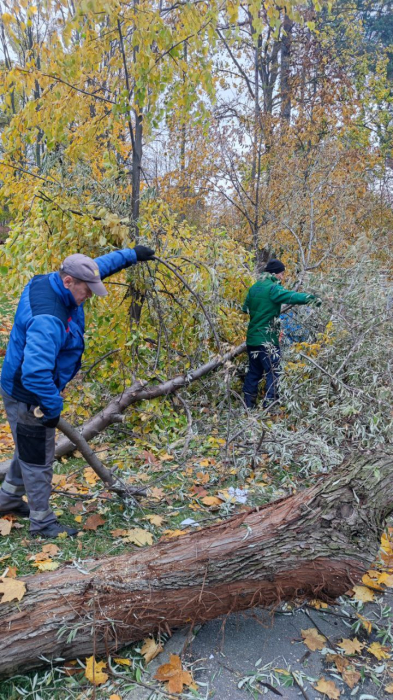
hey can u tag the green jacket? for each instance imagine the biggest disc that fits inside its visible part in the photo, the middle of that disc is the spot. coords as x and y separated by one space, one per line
263 303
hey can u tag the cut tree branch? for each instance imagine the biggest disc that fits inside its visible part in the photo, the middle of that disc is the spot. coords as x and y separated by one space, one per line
139 392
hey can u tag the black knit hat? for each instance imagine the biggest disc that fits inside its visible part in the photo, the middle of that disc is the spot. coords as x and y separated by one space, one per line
275 266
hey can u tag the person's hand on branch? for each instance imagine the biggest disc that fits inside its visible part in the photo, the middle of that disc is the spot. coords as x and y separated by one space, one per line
143 253
49 422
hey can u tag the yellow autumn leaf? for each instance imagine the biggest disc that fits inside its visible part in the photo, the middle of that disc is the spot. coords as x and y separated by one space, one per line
377 650
114 697
329 688
363 594
94 672
318 604
312 639
351 646
372 581
212 501
175 533
166 457
139 536
90 476
78 518
11 589
389 688
150 649
122 662
386 579
5 527
47 565
204 463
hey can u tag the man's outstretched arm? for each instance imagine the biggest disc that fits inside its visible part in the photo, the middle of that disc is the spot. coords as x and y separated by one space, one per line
111 263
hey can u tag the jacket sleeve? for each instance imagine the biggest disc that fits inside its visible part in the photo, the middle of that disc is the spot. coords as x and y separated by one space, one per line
44 338
286 296
116 261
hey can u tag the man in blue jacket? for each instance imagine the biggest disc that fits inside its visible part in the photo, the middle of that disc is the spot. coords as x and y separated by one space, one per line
43 354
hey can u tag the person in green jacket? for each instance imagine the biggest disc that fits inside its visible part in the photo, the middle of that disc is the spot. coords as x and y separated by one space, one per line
263 303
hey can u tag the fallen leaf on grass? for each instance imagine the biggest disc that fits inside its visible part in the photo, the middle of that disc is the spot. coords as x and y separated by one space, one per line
90 476
156 493
122 662
11 572
312 639
139 536
120 533
5 527
377 650
204 463
351 677
203 478
166 458
174 675
114 697
389 688
94 672
94 521
351 646
148 457
150 649
77 508
363 594
212 501
198 491
51 549
329 688
156 520
11 589
78 518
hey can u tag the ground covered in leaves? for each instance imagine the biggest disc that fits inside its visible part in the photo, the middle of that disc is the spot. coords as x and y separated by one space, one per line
189 478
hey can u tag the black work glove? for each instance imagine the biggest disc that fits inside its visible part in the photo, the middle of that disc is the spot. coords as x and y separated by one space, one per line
49 422
143 253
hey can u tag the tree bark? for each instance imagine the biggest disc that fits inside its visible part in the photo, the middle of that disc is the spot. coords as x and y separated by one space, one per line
317 543
138 392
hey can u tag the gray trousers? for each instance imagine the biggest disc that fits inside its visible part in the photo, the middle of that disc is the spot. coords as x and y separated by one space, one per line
31 471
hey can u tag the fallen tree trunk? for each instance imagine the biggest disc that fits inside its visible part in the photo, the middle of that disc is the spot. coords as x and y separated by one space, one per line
317 543
138 392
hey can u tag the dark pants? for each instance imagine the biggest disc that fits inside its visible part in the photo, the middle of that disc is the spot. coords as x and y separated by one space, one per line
263 360
30 472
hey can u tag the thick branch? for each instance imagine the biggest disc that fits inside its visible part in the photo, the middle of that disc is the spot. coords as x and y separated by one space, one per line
138 392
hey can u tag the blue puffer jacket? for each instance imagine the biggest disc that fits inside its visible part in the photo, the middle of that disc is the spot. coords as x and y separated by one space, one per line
46 342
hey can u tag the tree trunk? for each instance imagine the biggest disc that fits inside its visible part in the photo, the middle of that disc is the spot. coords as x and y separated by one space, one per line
317 543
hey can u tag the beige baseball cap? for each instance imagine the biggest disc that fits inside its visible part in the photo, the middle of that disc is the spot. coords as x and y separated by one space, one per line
86 269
